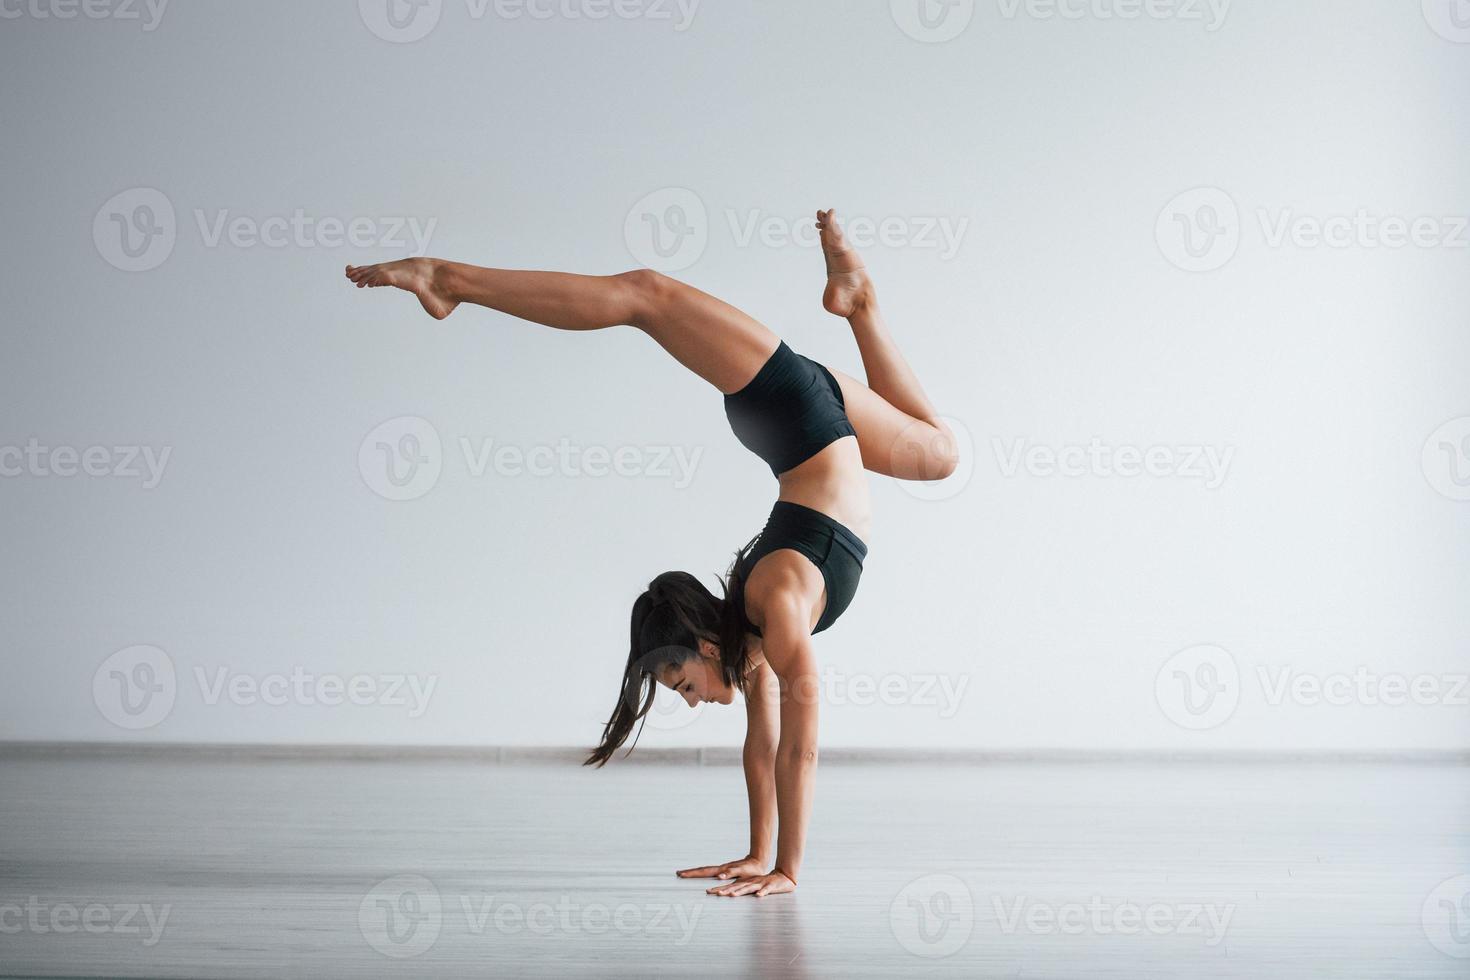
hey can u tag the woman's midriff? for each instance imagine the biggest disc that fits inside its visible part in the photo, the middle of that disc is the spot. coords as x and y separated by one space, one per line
835 483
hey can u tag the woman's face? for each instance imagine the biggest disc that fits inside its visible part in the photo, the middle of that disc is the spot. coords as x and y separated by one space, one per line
699 678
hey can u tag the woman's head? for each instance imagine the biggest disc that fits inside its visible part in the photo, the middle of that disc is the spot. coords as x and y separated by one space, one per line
686 638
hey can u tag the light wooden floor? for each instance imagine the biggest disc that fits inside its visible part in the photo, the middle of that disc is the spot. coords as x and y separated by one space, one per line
314 869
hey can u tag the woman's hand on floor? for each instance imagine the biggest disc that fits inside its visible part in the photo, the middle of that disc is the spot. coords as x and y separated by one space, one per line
745 867
774 883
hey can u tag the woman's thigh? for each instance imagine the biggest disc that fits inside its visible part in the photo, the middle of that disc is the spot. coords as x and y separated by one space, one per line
893 442
722 344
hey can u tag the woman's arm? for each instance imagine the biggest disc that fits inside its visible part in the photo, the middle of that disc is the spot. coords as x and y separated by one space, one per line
790 655
762 731
762 735
788 650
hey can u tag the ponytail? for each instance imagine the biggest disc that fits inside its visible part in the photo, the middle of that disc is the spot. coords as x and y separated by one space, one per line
669 619
734 624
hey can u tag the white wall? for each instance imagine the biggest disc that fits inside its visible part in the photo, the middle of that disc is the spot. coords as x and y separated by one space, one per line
1053 146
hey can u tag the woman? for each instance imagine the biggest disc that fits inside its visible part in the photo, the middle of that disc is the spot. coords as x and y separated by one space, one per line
818 430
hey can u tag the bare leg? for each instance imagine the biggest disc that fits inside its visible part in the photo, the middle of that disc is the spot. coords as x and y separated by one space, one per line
899 432
707 335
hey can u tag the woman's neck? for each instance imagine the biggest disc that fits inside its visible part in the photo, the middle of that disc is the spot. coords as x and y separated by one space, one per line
755 654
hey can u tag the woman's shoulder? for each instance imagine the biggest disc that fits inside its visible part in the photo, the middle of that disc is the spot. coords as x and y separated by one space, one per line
782 582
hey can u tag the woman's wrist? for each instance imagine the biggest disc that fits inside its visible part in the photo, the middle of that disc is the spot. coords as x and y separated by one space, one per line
778 870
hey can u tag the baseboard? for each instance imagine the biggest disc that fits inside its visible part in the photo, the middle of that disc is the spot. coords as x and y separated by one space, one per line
714 755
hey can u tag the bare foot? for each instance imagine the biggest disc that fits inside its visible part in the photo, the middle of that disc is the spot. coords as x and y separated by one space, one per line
848 287
418 276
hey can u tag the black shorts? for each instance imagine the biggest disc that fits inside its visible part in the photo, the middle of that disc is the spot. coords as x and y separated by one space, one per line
790 411
828 544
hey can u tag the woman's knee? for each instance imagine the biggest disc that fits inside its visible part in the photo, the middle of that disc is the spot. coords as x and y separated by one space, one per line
647 291
924 450
944 451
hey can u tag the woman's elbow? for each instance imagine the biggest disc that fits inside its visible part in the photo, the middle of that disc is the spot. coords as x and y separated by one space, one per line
760 750
798 755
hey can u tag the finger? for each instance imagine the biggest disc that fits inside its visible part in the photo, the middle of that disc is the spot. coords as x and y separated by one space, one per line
708 871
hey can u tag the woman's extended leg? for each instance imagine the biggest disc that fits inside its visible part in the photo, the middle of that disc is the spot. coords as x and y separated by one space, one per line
899 432
707 335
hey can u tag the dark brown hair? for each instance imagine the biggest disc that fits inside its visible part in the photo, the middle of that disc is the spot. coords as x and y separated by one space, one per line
669 619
